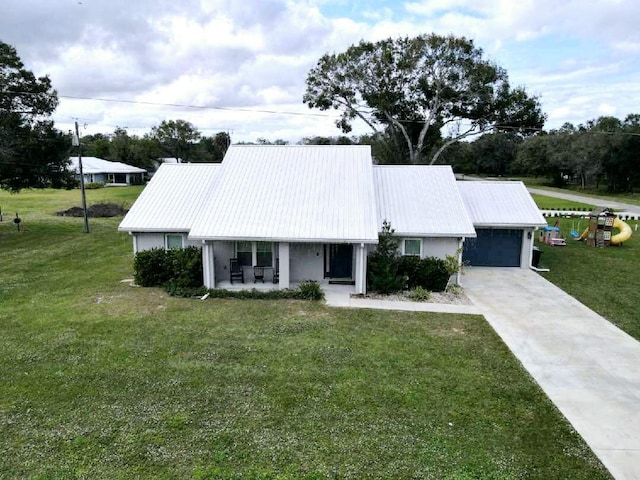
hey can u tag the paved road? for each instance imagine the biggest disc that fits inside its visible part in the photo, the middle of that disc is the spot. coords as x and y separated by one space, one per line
601 202
588 367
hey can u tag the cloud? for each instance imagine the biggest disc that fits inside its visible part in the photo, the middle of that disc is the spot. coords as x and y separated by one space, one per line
580 57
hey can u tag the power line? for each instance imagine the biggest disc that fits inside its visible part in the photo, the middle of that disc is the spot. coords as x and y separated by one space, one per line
274 112
197 107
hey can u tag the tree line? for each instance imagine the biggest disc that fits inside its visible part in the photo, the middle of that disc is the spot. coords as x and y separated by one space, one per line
604 152
171 138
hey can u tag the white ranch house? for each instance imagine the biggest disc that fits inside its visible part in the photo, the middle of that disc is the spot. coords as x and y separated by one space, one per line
96 169
315 212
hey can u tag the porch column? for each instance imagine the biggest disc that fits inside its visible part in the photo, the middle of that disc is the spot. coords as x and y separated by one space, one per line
460 249
526 253
283 255
208 267
361 269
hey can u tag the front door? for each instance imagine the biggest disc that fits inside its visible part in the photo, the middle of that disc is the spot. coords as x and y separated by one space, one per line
340 260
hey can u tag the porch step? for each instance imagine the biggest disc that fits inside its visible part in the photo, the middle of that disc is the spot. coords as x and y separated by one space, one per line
338 281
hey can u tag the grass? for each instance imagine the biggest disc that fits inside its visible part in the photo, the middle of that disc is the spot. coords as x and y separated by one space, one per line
551 203
606 280
101 380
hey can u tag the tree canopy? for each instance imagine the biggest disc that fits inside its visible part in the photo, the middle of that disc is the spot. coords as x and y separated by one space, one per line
412 88
176 137
33 154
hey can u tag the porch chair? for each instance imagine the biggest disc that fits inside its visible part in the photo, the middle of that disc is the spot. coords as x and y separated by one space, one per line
258 274
276 272
235 270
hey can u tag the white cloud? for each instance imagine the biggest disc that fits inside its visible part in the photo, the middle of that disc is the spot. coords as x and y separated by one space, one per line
581 57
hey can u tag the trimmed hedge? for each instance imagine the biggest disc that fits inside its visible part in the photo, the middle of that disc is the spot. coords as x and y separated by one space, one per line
181 268
305 291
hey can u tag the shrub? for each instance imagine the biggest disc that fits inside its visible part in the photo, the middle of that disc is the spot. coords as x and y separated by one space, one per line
382 265
152 268
187 267
310 291
419 294
429 273
305 291
408 268
93 185
179 268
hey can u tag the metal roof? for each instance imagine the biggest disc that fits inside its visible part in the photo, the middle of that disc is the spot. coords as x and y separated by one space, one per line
500 204
98 165
421 201
171 200
292 193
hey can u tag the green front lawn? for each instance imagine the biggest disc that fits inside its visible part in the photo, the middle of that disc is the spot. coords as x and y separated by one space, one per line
606 280
102 380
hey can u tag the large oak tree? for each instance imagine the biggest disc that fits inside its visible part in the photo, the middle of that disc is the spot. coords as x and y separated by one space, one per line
33 154
412 88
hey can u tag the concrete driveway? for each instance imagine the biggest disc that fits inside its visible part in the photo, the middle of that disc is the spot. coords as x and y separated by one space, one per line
589 368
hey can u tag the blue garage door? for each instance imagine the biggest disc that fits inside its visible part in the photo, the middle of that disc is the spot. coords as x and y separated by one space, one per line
493 247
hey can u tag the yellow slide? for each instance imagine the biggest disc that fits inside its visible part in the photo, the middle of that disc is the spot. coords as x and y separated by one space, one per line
624 232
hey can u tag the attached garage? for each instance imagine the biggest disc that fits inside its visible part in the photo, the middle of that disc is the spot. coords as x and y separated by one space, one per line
505 217
494 247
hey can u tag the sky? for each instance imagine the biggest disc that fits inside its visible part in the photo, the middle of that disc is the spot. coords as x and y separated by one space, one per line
234 63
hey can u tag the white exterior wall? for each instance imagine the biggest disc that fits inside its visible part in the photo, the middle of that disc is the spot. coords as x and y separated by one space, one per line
147 241
439 247
306 262
527 245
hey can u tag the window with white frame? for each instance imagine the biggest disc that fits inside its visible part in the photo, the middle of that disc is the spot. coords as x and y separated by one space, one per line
251 254
244 253
412 247
264 254
172 241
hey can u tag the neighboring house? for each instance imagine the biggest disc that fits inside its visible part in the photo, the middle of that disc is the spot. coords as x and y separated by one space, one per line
313 212
110 173
160 161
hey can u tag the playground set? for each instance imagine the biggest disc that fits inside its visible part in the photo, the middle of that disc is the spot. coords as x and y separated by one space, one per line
599 233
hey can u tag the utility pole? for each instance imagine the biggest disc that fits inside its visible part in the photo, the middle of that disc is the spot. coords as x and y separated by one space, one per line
76 142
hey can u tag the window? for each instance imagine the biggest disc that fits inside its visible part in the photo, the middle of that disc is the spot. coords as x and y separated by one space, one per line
258 254
412 247
173 241
244 253
264 254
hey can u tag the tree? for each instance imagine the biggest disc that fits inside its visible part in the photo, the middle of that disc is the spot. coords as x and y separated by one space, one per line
382 267
176 137
414 87
32 152
213 149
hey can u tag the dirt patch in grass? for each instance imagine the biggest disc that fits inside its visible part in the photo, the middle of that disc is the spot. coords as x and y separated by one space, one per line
95 211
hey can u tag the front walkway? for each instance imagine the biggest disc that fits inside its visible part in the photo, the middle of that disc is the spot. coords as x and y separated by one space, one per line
589 368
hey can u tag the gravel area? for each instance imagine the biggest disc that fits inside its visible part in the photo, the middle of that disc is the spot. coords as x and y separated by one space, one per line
457 298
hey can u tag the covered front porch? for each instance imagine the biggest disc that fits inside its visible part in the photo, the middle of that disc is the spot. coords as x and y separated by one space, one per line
243 264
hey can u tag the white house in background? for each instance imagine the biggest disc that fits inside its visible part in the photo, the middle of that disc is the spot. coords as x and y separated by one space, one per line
312 212
110 173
